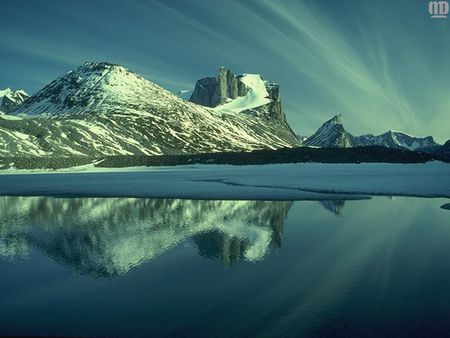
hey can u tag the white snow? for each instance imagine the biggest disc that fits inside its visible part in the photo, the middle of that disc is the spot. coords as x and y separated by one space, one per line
413 146
6 91
269 182
9 117
402 132
257 96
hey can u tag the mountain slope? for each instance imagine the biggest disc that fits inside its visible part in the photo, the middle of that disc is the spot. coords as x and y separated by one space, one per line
104 109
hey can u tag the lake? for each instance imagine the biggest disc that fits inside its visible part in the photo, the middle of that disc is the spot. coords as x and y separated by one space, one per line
193 268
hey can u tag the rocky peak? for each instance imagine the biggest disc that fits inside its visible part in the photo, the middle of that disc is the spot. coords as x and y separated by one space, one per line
11 99
246 94
331 134
336 120
213 91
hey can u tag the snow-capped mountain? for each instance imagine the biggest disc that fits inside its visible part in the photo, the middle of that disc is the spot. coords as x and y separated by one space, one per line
330 135
11 99
333 134
396 139
105 109
98 88
246 94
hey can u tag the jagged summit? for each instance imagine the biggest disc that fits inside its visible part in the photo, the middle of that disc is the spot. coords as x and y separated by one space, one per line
331 134
229 93
214 91
245 94
337 119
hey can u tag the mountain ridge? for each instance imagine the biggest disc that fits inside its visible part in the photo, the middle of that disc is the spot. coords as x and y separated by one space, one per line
103 109
333 134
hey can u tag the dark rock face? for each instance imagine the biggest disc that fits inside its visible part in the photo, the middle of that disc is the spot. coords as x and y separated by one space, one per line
443 151
212 91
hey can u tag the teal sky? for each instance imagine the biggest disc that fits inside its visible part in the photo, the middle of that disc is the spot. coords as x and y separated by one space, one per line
383 64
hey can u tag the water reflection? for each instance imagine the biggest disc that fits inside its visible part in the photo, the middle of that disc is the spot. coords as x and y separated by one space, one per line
381 270
110 236
334 206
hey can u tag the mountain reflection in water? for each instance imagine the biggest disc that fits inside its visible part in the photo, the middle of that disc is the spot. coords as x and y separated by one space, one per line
105 237
378 268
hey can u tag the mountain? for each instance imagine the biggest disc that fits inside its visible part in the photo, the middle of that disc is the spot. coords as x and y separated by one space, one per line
333 134
396 139
103 109
247 94
11 99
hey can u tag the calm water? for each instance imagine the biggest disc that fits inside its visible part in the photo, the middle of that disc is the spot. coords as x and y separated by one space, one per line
140 267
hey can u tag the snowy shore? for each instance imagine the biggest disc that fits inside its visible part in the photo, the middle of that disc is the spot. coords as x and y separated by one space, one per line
265 182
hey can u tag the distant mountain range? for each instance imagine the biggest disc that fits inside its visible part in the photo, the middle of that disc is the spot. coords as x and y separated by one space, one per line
104 109
101 110
333 134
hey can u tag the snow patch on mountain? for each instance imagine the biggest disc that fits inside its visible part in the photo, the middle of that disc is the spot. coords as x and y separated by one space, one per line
256 96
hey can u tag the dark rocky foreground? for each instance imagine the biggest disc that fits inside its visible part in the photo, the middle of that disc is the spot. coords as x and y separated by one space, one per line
370 154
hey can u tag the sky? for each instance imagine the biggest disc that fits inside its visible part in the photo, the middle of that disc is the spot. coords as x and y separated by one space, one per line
383 64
